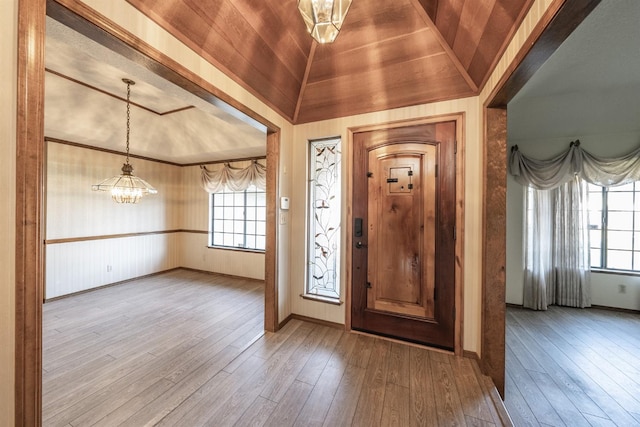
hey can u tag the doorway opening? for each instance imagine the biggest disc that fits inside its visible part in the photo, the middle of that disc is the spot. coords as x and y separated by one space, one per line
559 22
30 174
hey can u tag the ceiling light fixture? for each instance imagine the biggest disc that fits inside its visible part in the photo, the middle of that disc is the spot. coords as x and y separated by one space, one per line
324 18
126 187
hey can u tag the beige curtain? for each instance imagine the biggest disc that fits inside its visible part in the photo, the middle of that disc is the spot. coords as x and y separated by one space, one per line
234 179
556 237
552 173
557 247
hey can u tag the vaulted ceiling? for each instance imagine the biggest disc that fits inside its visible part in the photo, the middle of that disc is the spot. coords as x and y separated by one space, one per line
389 54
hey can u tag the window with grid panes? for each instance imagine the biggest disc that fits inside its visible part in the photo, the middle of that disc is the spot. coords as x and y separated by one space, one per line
614 227
238 219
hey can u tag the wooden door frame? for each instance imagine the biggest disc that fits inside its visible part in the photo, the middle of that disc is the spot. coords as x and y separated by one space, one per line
459 119
557 23
30 152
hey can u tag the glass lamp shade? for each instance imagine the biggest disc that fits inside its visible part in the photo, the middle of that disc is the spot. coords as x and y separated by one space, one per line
126 187
324 18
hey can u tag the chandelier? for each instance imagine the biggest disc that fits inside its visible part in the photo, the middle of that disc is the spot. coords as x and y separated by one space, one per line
324 18
126 187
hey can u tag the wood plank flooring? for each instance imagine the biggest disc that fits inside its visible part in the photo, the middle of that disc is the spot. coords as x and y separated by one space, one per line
573 367
188 349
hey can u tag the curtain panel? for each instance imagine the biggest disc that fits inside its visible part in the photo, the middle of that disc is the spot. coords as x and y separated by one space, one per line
556 217
234 179
556 247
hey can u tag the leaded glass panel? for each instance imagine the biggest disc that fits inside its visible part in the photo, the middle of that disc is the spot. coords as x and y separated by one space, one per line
323 274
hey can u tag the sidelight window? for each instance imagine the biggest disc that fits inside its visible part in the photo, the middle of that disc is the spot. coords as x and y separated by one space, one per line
323 252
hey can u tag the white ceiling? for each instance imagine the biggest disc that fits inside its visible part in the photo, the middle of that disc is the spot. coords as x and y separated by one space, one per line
590 85
79 113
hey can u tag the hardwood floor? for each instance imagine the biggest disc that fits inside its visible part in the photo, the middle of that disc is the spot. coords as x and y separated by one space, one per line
573 367
187 349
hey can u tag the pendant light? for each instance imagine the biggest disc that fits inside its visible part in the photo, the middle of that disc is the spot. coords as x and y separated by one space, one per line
126 187
324 18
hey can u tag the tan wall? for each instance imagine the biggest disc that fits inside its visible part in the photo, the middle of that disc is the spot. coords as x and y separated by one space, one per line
78 266
135 22
195 252
8 87
472 188
74 211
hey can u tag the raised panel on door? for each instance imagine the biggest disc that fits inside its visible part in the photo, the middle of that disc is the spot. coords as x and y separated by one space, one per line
401 212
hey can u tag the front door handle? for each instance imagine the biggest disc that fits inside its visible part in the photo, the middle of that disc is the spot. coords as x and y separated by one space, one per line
360 245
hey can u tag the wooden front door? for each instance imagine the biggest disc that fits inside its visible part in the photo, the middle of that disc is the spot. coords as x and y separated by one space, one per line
404 214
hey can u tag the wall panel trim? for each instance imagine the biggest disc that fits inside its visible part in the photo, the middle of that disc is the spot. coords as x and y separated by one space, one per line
110 236
119 98
150 159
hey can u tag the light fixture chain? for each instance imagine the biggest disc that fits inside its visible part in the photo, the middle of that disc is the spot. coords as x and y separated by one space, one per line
126 187
128 117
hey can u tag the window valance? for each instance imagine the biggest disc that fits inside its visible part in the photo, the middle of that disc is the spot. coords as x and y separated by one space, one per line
552 173
234 179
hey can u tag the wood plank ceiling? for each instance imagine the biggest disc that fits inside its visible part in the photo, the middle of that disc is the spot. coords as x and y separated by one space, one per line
389 54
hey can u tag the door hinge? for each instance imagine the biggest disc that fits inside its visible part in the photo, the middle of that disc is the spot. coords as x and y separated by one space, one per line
410 173
369 174
455 147
368 285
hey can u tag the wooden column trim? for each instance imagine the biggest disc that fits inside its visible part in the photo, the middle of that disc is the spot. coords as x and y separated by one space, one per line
271 297
29 197
494 250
